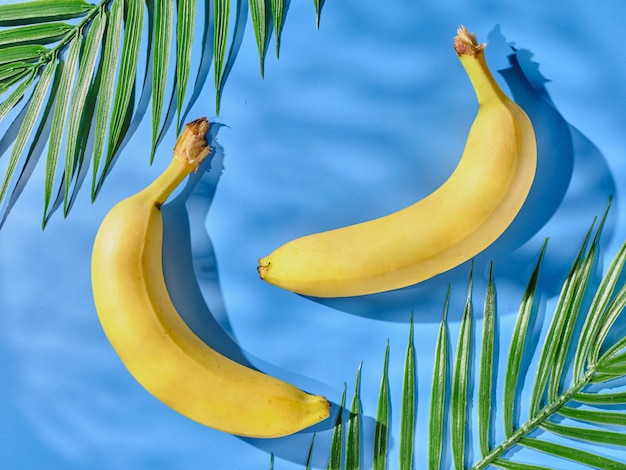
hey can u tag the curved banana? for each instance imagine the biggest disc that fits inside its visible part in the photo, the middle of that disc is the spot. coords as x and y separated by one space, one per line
461 218
153 341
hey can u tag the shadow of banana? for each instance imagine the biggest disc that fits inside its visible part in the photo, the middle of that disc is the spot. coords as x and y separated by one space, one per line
191 274
572 186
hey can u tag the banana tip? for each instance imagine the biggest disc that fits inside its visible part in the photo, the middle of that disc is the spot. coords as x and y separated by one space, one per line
262 269
328 408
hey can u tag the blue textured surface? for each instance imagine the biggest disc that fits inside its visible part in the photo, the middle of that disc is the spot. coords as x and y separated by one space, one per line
356 119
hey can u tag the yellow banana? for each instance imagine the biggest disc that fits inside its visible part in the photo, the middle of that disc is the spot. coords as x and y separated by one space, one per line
153 341
461 218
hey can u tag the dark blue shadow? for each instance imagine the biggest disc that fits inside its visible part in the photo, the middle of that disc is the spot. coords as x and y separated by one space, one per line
182 267
191 275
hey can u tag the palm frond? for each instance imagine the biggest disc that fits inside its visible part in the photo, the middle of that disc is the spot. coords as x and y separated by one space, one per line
550 392
573 384
82 63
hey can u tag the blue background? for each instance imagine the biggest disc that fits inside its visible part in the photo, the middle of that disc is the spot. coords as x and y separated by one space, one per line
355 120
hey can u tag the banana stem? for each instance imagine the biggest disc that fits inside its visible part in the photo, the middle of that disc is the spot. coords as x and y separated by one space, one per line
191 147
190 150
471 54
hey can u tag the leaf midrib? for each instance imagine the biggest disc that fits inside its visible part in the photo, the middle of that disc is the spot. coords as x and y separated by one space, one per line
544 413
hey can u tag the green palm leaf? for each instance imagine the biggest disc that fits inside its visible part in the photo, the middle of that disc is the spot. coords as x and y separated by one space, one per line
164 21
383 411
13 72
66 82
310 455
16 95
567 300
508 465
124 89
108 68
597 309
337 441
407 418
221 12
572 384
353 437
79 117
32 113
460 383
485 384
184 39
594 416
44 33
259 12
586 434
319 4
582 278
42 10
613 311
516 350
438 395
27 53
572 454
97 55
616 398
278 17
